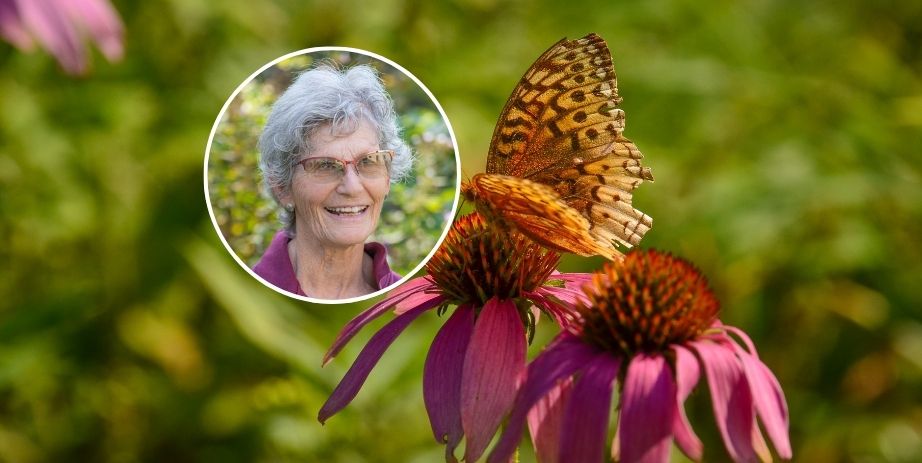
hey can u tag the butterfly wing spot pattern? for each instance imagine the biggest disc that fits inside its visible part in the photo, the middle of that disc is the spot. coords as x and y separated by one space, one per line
537 211
559 169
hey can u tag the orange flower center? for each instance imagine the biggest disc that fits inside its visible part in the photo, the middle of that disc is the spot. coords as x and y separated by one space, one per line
645 303
478 261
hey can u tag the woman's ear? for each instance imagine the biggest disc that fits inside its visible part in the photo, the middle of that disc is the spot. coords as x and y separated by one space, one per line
284 196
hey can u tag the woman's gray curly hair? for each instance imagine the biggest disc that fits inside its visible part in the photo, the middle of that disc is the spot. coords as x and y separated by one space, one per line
322 95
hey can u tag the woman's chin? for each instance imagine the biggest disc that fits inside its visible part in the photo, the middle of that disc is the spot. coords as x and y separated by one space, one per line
347 236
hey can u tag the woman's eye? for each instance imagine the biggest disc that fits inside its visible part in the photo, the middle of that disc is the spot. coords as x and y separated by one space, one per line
326 165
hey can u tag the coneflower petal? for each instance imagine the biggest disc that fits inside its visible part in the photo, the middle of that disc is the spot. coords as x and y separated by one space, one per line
732 402
55 33
562 314
585 422
647 410
572 291
11 27
493 367
442 378
351 383
688 372
423 289
545 421
100 20
769 401
566 355
375 311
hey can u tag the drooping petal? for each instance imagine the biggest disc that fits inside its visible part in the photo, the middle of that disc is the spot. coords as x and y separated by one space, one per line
354 379
733 406
55 33
442 378
11 26
769 401
376 311
750 346
562 314
566 355
545 421
493 366
423 289
100 20
585 421
687 374
569 296
572 289
647 410
573 280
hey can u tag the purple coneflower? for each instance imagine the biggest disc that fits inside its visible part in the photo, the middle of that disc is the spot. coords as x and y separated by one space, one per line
500 281
60 27
651 324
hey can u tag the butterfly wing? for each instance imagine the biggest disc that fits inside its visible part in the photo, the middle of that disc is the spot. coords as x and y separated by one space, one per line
537 212
562 128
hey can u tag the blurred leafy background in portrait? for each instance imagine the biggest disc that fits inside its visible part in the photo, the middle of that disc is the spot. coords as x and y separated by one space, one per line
784 138
417 209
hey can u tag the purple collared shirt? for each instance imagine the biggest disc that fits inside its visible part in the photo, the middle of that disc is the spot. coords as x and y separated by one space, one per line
275 265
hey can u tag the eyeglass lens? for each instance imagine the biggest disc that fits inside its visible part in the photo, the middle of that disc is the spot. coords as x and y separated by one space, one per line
371 166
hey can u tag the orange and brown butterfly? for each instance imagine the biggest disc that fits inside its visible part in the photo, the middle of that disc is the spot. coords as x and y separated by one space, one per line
559 169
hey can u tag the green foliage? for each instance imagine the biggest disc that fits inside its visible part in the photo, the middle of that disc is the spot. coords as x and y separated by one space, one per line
784 138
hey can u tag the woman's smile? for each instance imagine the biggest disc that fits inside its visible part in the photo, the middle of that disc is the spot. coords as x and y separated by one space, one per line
347 212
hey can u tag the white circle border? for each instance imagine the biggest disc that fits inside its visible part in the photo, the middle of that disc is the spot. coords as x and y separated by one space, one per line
451 133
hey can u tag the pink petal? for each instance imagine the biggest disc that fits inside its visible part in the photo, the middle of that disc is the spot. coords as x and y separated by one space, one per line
733 406
573 280
55 33
545 421
744 337
647 410
11 26
572 290
687 374
354 379
769 401
423 289
585 422
100 20
562 314
442 378
376 311
493 366
566 355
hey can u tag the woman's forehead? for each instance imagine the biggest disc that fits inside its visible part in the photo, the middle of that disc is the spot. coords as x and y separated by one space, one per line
332 130
326 142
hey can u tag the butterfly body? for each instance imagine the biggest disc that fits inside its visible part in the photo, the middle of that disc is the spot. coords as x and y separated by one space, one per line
559 169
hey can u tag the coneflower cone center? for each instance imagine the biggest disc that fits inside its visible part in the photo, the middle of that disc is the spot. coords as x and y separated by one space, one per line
645 303
478 261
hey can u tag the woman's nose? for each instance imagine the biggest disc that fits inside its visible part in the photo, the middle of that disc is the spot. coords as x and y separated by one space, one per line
350 182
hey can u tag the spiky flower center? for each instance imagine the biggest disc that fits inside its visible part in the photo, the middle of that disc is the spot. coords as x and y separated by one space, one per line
478 261
645 303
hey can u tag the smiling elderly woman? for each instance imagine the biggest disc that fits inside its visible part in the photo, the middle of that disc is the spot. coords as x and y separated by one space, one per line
329 152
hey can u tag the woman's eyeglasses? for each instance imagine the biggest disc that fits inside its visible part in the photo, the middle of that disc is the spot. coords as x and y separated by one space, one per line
373 165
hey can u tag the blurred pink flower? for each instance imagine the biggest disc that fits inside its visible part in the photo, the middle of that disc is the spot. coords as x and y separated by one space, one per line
60 27
500 283
651 321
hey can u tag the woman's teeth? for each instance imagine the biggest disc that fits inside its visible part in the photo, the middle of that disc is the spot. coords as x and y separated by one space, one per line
346 210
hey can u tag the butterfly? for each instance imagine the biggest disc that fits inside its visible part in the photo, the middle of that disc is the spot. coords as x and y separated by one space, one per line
559 169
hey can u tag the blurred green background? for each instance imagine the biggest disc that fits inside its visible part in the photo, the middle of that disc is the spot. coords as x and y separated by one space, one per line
784 138
418 209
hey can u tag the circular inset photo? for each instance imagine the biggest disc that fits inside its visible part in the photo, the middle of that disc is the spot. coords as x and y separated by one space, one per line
332 174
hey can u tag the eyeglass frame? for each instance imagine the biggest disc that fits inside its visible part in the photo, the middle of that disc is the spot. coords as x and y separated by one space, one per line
354 163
